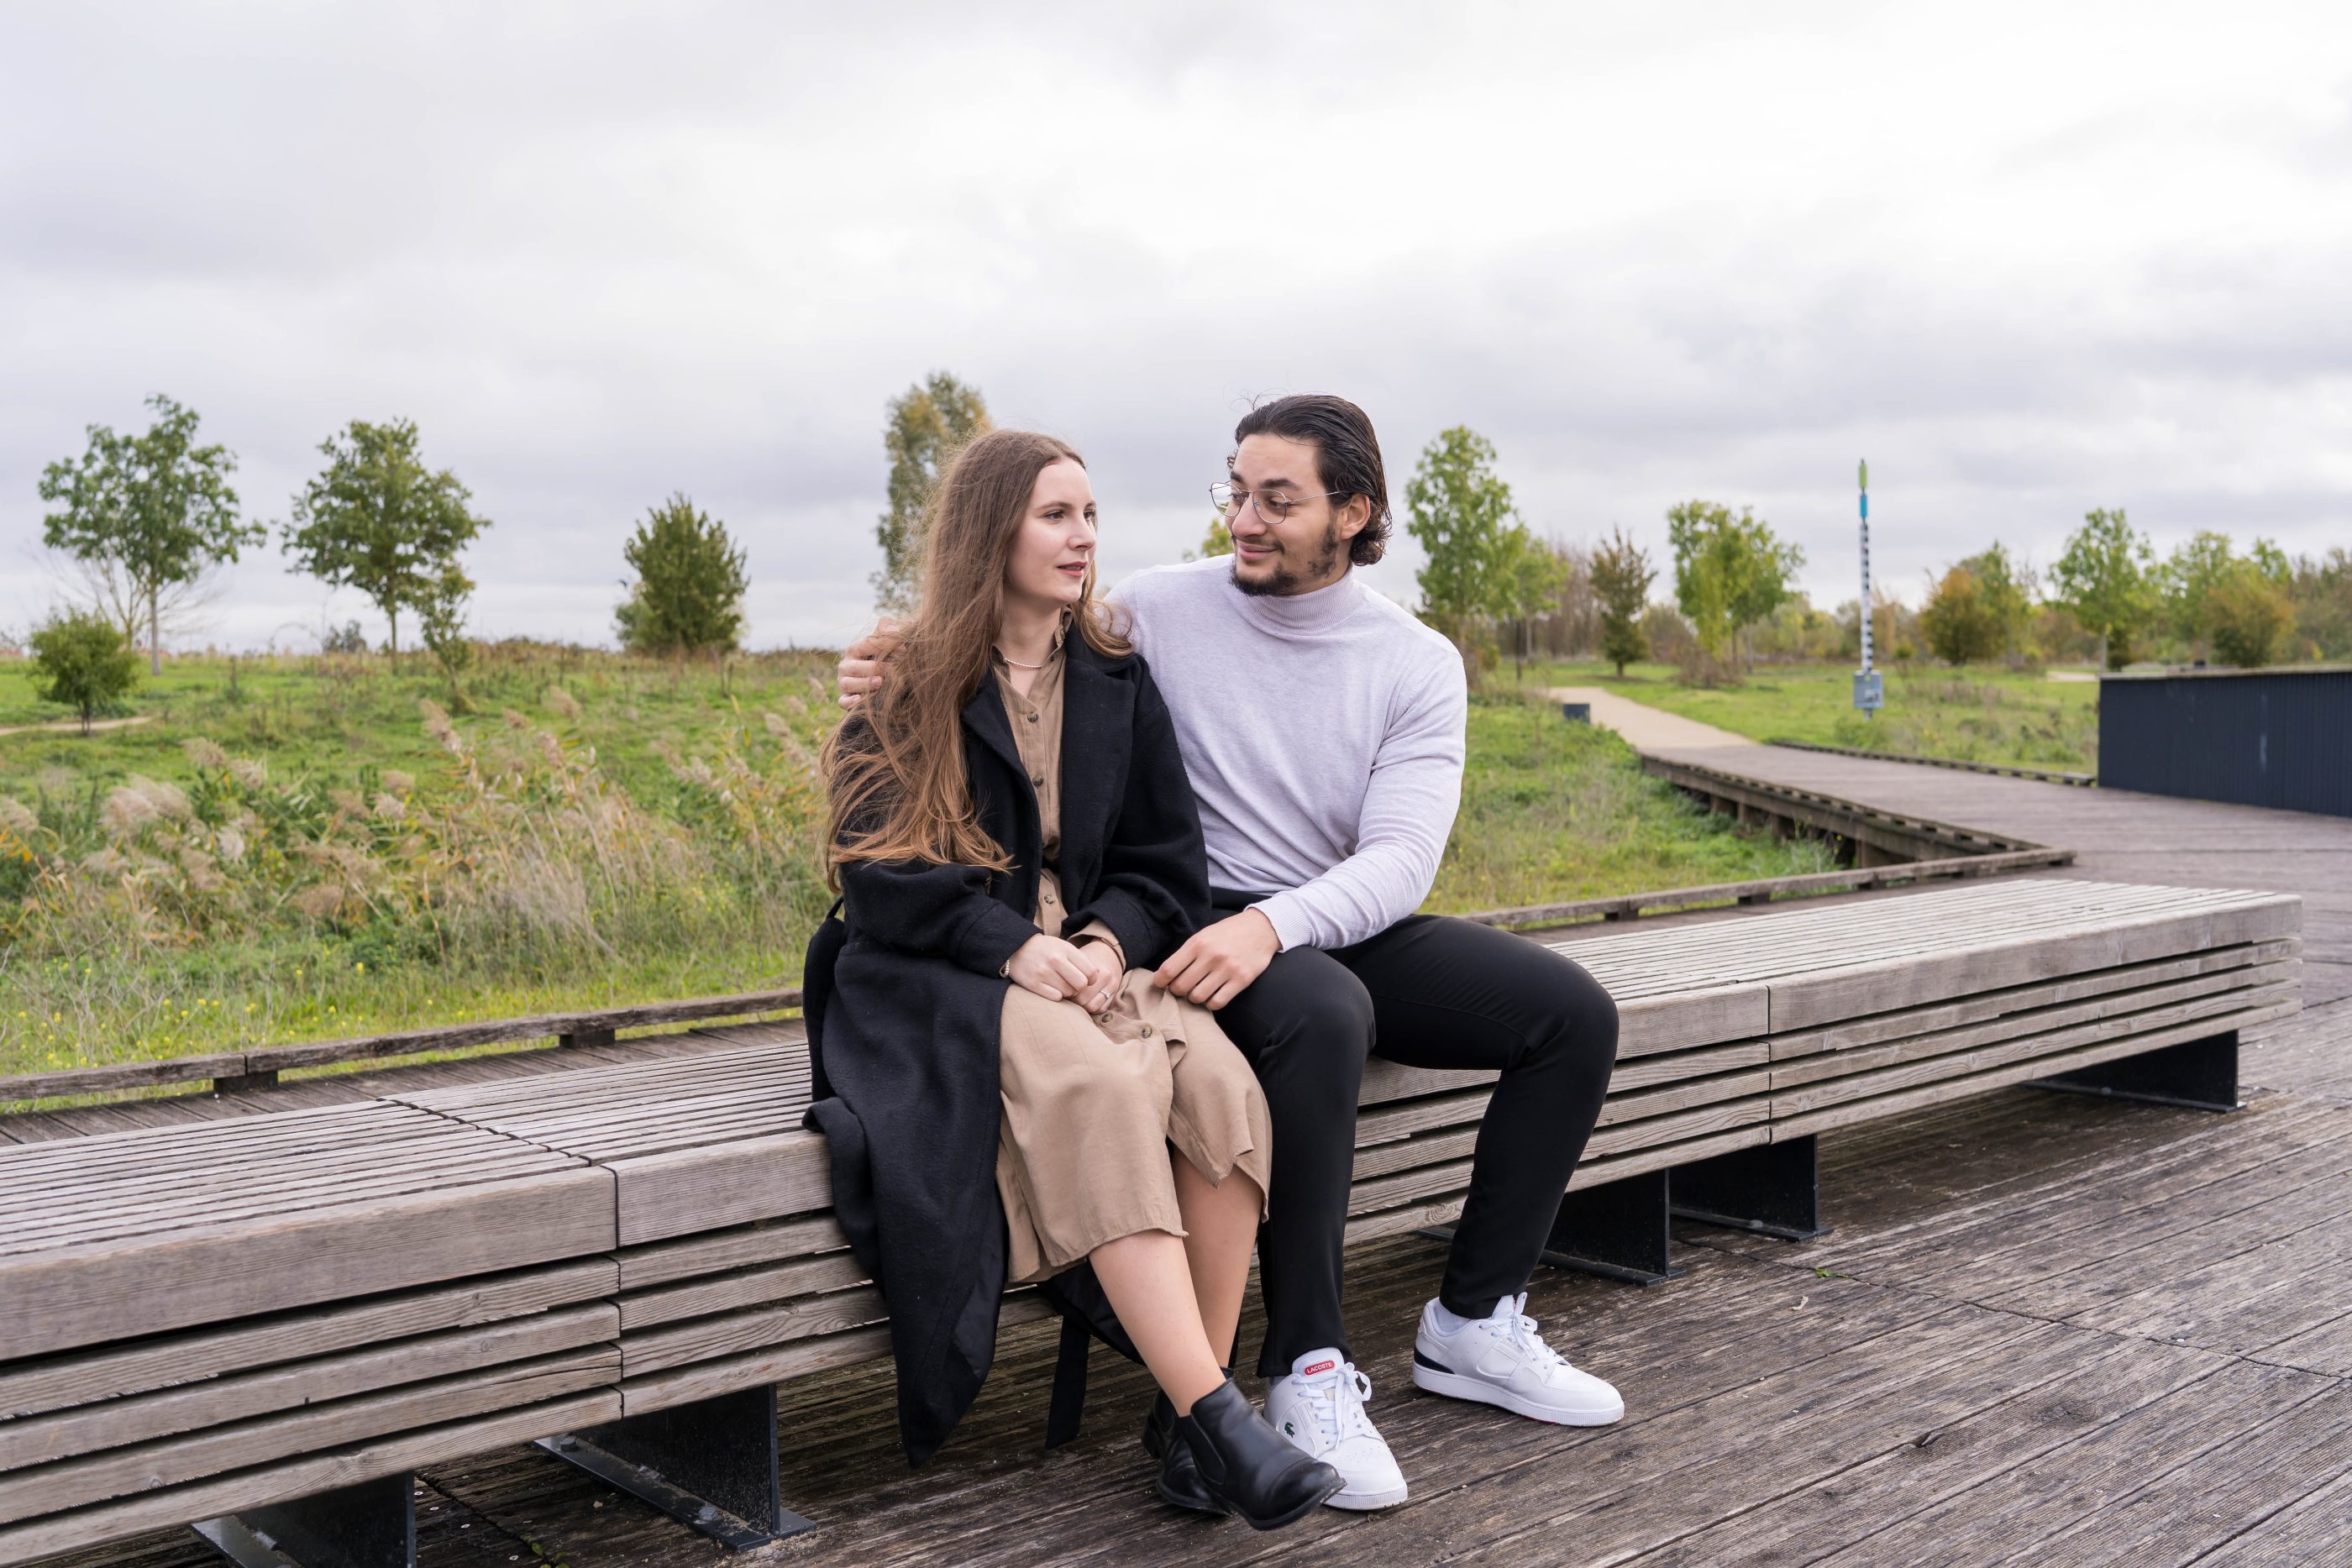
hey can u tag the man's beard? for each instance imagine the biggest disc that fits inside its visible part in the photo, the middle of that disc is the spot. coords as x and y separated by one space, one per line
1285 581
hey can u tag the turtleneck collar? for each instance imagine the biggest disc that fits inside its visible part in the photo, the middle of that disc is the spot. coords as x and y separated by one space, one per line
1302 615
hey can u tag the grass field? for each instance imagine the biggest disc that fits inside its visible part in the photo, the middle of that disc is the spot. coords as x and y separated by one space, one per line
311 849
1973 715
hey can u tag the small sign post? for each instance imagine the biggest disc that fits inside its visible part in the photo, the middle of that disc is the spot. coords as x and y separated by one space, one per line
1869 685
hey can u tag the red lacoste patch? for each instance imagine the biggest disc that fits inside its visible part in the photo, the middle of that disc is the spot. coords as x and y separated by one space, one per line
1319 1366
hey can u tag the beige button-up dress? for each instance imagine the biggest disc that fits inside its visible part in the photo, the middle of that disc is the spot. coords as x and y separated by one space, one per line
1093 1102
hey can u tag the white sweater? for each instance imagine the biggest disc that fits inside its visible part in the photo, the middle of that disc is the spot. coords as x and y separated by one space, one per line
1324 735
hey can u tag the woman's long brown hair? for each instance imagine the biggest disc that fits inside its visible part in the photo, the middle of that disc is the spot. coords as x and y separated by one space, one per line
894 769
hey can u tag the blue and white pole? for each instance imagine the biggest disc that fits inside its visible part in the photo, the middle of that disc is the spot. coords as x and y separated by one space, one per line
1869 687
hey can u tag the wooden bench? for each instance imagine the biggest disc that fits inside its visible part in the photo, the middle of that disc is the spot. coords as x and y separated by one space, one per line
264 1323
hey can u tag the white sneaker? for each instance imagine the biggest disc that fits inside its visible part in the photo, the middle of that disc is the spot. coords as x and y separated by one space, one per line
1320 1408
1501 1360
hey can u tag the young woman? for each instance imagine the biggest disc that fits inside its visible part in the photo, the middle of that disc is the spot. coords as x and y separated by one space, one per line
1006 1095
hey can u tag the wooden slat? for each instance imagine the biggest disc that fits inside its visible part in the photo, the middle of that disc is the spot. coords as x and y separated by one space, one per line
666 1262
28 1389
734 1334
1875 1027
173 1461
345 1186
2210 1013
83 1295
679 1194
263 1485
121 1422
140 1146
1851 879
1801 1002
1800 1124
2028 1023
794 1358
760 1286
115 1076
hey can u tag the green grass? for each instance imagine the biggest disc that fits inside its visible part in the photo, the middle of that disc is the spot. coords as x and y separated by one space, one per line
641 834
1553 812
331 719
1973 715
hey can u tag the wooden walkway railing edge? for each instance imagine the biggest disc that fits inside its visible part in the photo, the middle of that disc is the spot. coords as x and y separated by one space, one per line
2005 769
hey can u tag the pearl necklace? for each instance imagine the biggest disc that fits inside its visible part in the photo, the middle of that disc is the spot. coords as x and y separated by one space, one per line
1017 663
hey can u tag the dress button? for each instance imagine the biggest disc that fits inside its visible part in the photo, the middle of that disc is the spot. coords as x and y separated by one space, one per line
1032 717
1038 779
1146 1031
1049 898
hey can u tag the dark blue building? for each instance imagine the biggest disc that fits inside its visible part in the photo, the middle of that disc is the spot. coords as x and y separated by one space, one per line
2252 737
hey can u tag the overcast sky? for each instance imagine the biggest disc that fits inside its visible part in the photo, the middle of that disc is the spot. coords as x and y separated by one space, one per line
2027 259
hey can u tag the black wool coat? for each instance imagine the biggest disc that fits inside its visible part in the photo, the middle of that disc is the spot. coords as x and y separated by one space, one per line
904 1028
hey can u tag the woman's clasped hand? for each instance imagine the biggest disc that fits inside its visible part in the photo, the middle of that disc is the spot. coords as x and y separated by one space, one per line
1063 971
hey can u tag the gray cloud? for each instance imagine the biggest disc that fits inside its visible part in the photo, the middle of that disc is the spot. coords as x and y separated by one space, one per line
2028 265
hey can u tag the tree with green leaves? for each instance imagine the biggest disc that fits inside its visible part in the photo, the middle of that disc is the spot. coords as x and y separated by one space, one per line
2248 615
1960 620
1729 572
1460 512
146 516
2186 582
1217 541
927 425
83 661
378 520
2005 585
1621 575
1531 575
441 622
688 595
2105 577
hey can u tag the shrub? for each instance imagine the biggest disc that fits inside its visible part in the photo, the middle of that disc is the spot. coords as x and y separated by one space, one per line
1960 620
85 662
2248 617
689 596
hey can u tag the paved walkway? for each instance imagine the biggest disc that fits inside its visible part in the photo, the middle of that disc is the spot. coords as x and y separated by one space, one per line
73 726
1648 729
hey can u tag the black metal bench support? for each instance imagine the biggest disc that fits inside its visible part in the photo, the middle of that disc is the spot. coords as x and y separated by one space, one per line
1617 1230
710 1465
1773 1190
2199 1075
370 1525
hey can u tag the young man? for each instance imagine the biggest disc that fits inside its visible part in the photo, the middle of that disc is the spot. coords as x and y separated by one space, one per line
1322 727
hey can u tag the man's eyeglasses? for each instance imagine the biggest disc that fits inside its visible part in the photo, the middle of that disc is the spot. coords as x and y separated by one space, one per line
1274 506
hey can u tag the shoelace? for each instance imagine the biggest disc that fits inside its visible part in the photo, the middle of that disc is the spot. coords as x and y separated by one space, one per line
1524 1338
1337 1416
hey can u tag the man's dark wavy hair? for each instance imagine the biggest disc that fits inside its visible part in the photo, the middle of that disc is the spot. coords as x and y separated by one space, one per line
1347 456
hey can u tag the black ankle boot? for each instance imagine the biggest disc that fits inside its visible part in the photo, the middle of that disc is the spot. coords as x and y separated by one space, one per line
1179 1483
1248 1467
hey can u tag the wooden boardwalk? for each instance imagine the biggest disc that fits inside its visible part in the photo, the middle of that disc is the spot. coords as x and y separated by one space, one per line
2048 1330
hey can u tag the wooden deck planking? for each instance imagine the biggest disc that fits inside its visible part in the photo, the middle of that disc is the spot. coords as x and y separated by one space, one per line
1926 1190
1709 1346
2159 1480
2109 1383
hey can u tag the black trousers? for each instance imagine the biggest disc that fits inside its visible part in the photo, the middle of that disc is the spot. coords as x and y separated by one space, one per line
1428 992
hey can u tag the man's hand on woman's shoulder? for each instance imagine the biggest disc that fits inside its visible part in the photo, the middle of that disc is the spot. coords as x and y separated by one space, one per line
860 669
